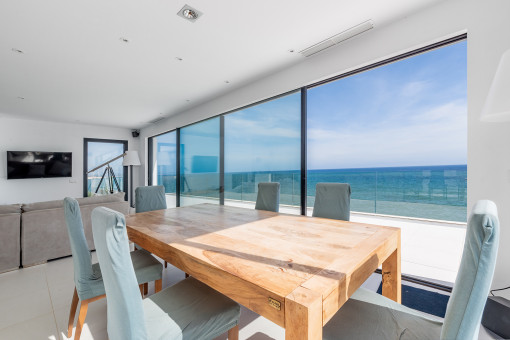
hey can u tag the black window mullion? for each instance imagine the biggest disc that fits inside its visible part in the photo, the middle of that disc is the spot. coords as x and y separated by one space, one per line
222 160
303 150
150 158
178 167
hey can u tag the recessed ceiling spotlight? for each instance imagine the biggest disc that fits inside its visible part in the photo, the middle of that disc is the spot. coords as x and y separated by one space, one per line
22 98
178 58
124 40
189 13
291 51
15 50
227 82
187 100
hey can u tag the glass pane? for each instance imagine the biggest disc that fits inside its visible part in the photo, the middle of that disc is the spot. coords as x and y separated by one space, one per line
97 154
164 165
397 134
262 144
200 159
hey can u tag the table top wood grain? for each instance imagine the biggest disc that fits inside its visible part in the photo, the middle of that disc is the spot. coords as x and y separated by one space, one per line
270 262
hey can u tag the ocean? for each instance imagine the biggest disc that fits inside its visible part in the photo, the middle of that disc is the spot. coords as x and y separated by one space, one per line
431 192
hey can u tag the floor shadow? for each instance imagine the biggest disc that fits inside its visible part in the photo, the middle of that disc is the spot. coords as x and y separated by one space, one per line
260 336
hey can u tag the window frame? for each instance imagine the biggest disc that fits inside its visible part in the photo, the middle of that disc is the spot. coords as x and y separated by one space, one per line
85 162
303 90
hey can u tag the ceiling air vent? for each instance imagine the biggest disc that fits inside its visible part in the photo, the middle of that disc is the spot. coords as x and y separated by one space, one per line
159 119
332 41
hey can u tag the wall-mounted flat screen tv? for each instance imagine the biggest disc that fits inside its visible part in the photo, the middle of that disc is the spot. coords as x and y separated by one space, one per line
36 164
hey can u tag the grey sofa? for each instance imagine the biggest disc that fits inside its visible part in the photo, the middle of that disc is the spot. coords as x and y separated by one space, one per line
44 232
38 230
10 218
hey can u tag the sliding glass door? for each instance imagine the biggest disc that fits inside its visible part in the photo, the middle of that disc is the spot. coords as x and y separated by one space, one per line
262 144
200 163
397 133
163 165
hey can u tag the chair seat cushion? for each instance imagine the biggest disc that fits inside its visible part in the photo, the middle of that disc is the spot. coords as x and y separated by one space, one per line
368 315
147 269
92 286
189 310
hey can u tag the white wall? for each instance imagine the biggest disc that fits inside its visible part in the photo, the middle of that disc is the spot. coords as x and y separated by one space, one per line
33 135
488 30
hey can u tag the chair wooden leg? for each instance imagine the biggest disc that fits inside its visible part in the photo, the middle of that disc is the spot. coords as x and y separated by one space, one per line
158 284
141 289
72 313
146 288
233 333
81 318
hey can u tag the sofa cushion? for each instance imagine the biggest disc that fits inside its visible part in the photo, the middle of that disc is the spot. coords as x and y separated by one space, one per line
10 209
42 205
117 197
98 199
9 241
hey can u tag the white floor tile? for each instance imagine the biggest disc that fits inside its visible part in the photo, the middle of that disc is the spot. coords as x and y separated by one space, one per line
41 327
26 306
95 322
18 282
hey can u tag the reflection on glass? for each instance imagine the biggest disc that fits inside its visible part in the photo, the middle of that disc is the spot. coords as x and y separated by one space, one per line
200 157
164 165
97 154
262 144
397 134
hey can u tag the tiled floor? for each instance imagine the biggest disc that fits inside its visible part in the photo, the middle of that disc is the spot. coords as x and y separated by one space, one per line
35 302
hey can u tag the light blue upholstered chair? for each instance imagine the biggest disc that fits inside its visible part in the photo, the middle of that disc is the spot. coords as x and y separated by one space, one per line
186 310
268 197
88 280
150 198
332 200
368 315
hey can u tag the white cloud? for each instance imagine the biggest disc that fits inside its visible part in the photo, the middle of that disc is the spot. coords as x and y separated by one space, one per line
432 137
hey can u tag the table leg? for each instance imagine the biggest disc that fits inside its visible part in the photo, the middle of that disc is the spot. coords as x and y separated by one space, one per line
391 279
303 315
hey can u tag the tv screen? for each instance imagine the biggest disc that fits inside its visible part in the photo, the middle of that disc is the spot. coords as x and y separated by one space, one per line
35 164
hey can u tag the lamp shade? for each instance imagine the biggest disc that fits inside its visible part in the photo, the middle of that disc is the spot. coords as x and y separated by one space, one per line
497 104
131 158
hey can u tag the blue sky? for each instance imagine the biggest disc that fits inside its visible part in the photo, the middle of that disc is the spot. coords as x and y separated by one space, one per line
409 113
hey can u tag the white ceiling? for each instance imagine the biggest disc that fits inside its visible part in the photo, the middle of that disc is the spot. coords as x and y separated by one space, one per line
75 68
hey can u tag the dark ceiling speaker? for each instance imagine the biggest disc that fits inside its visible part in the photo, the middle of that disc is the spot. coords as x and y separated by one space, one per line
135 133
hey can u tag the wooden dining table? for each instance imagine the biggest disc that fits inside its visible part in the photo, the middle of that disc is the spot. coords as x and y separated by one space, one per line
296 271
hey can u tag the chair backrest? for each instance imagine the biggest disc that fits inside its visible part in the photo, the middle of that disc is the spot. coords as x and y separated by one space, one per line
466 304
332 200
125 314
150 198
268 197
79 248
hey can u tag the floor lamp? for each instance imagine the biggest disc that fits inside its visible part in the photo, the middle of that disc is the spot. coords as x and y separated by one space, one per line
131 158
497 109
